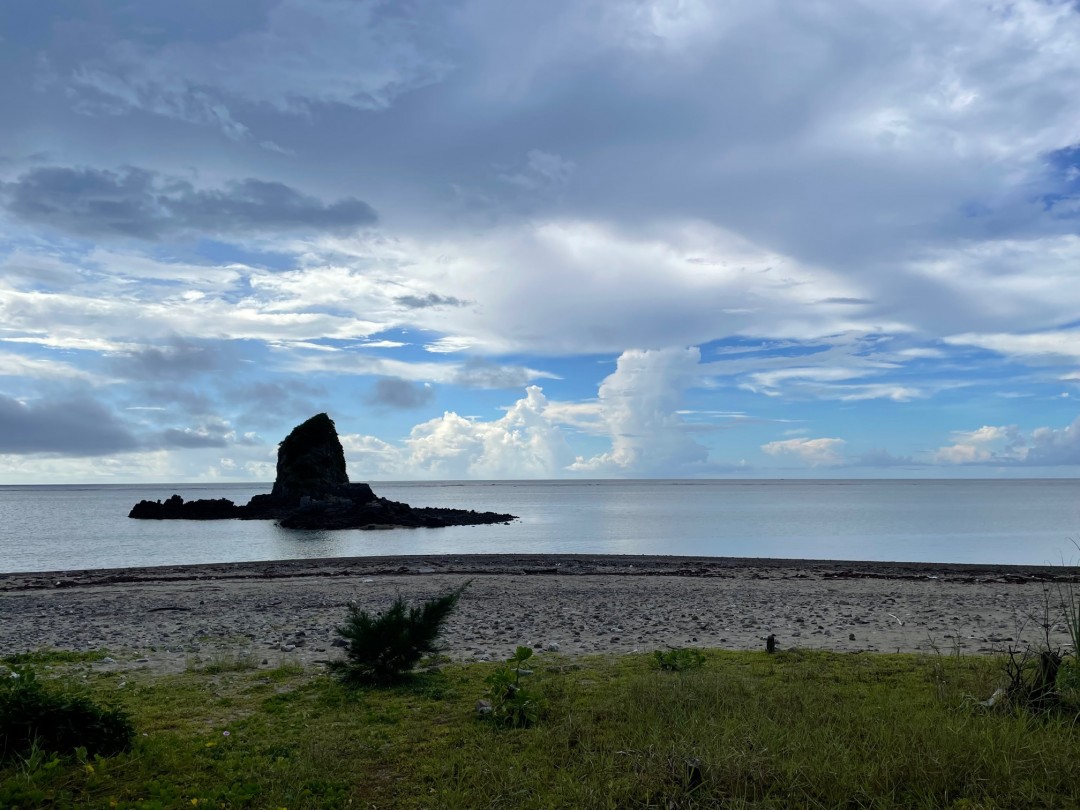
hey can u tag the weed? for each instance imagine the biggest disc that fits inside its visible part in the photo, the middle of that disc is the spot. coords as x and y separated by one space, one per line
512 704
56 719
383 648
679 659
1069 603
50 657
230 662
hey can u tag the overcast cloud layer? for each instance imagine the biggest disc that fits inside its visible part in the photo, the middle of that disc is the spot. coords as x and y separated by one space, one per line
499 240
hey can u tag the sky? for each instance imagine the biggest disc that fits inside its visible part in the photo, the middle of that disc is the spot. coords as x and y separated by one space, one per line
834 239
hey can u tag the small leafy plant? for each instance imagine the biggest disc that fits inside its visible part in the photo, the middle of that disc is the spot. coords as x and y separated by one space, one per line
679 659
513 705
33 716
383 648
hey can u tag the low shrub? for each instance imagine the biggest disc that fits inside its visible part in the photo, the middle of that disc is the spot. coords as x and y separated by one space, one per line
679 659
512 704
383 648
50 718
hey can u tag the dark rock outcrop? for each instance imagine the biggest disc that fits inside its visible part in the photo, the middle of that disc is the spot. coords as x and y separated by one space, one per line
176 508
310 461
312 491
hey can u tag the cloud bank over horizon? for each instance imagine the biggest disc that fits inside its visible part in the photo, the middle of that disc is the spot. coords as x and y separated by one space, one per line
622 238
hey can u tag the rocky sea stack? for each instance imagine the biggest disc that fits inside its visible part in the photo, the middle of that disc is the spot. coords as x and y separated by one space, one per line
312 491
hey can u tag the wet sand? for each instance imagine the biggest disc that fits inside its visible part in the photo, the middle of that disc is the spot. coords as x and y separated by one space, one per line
169 618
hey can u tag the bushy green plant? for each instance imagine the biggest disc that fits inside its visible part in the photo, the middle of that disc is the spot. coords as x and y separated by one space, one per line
50 718
384 647
679 659
512 704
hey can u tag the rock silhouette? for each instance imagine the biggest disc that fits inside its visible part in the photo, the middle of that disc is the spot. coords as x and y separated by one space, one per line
312 491
310 461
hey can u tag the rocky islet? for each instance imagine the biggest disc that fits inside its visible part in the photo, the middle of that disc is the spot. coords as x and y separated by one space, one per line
312 491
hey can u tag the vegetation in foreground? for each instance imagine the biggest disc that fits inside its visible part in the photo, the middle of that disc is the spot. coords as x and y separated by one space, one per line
796 729
383 648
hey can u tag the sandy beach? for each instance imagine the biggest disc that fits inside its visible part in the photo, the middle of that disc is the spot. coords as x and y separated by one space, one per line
169 618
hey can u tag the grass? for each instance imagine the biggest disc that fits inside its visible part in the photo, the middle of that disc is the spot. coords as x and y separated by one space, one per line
235 661
797 729
52 657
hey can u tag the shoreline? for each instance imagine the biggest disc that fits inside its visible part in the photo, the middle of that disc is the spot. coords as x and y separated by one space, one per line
535 564
171 618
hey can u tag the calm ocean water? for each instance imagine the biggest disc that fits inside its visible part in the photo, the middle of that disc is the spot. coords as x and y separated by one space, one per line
55 528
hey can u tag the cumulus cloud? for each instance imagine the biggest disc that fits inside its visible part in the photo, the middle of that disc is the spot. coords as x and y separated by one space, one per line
524 443
1055 446
390 392
141 204
815 452
636 410
999 445
982 445
638 406
73 426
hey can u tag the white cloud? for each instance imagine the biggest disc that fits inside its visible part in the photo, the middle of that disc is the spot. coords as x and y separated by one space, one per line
1053 446
636 409
989 289
815 452
638 405
1054 344
974 446
130 467
449 344
580 286
1009 446
833 382
897 393
524 443
15 365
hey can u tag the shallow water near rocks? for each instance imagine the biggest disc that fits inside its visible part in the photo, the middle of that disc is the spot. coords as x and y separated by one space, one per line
56 528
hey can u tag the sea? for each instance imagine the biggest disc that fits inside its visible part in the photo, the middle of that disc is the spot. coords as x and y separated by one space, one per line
1022 522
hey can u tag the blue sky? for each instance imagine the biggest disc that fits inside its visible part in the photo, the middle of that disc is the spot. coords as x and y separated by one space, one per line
501 240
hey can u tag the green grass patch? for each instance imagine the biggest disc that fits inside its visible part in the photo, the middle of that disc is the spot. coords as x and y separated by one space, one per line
796 729
48 657
236 661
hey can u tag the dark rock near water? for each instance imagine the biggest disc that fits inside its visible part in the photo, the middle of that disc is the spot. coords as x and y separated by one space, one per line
312 491
176 508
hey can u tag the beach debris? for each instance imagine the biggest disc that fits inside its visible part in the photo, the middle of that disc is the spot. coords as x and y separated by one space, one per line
770 644
994 699
899 621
